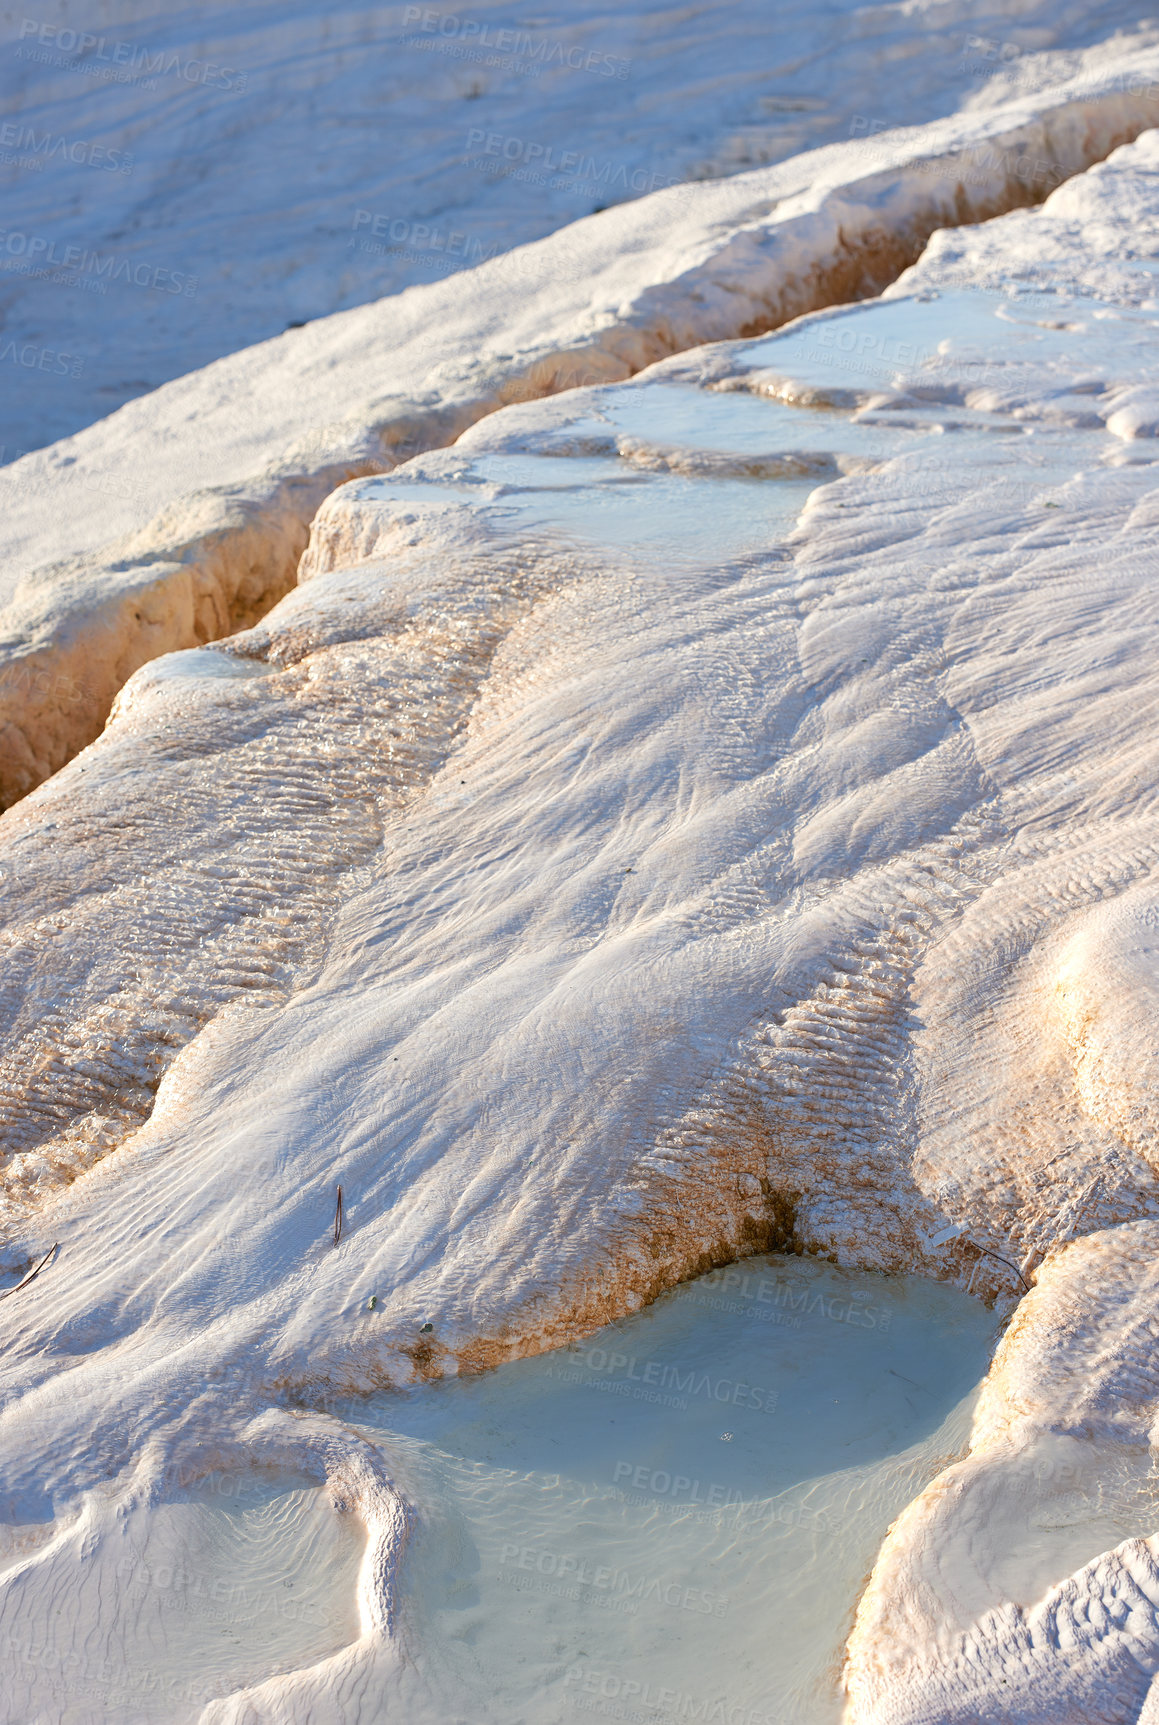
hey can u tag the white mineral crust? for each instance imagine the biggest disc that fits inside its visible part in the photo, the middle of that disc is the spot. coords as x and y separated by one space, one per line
108 560
687 812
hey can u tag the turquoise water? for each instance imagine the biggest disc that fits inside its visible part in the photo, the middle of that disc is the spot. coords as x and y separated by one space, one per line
680 1513
959 341
674 1520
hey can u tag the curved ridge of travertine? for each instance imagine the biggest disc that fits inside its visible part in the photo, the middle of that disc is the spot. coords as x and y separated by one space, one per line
85 1565
1028 1011
596 909
1082 242
344 1685
155 950
965 1618
1024 1583
106 565
347 1684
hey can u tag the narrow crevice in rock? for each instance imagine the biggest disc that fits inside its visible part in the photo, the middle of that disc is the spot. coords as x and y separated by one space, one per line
216 562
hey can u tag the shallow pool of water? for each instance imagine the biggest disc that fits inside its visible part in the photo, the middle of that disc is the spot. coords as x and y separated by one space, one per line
676 1518
602 501
957 341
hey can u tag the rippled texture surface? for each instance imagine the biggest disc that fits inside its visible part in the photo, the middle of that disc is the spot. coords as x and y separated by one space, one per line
654 850
334 155
108 561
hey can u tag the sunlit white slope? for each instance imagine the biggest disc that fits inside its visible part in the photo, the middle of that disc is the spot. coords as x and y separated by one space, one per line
694 816
227 170
107 559
1025 1584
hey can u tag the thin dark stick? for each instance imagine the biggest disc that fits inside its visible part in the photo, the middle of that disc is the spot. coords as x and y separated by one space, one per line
338 1218
1002 1260
32 1274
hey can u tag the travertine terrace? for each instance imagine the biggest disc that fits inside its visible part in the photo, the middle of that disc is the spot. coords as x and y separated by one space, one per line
704 812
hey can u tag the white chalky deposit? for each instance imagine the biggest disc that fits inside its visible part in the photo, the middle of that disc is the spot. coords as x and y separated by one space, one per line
697 818
108 560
